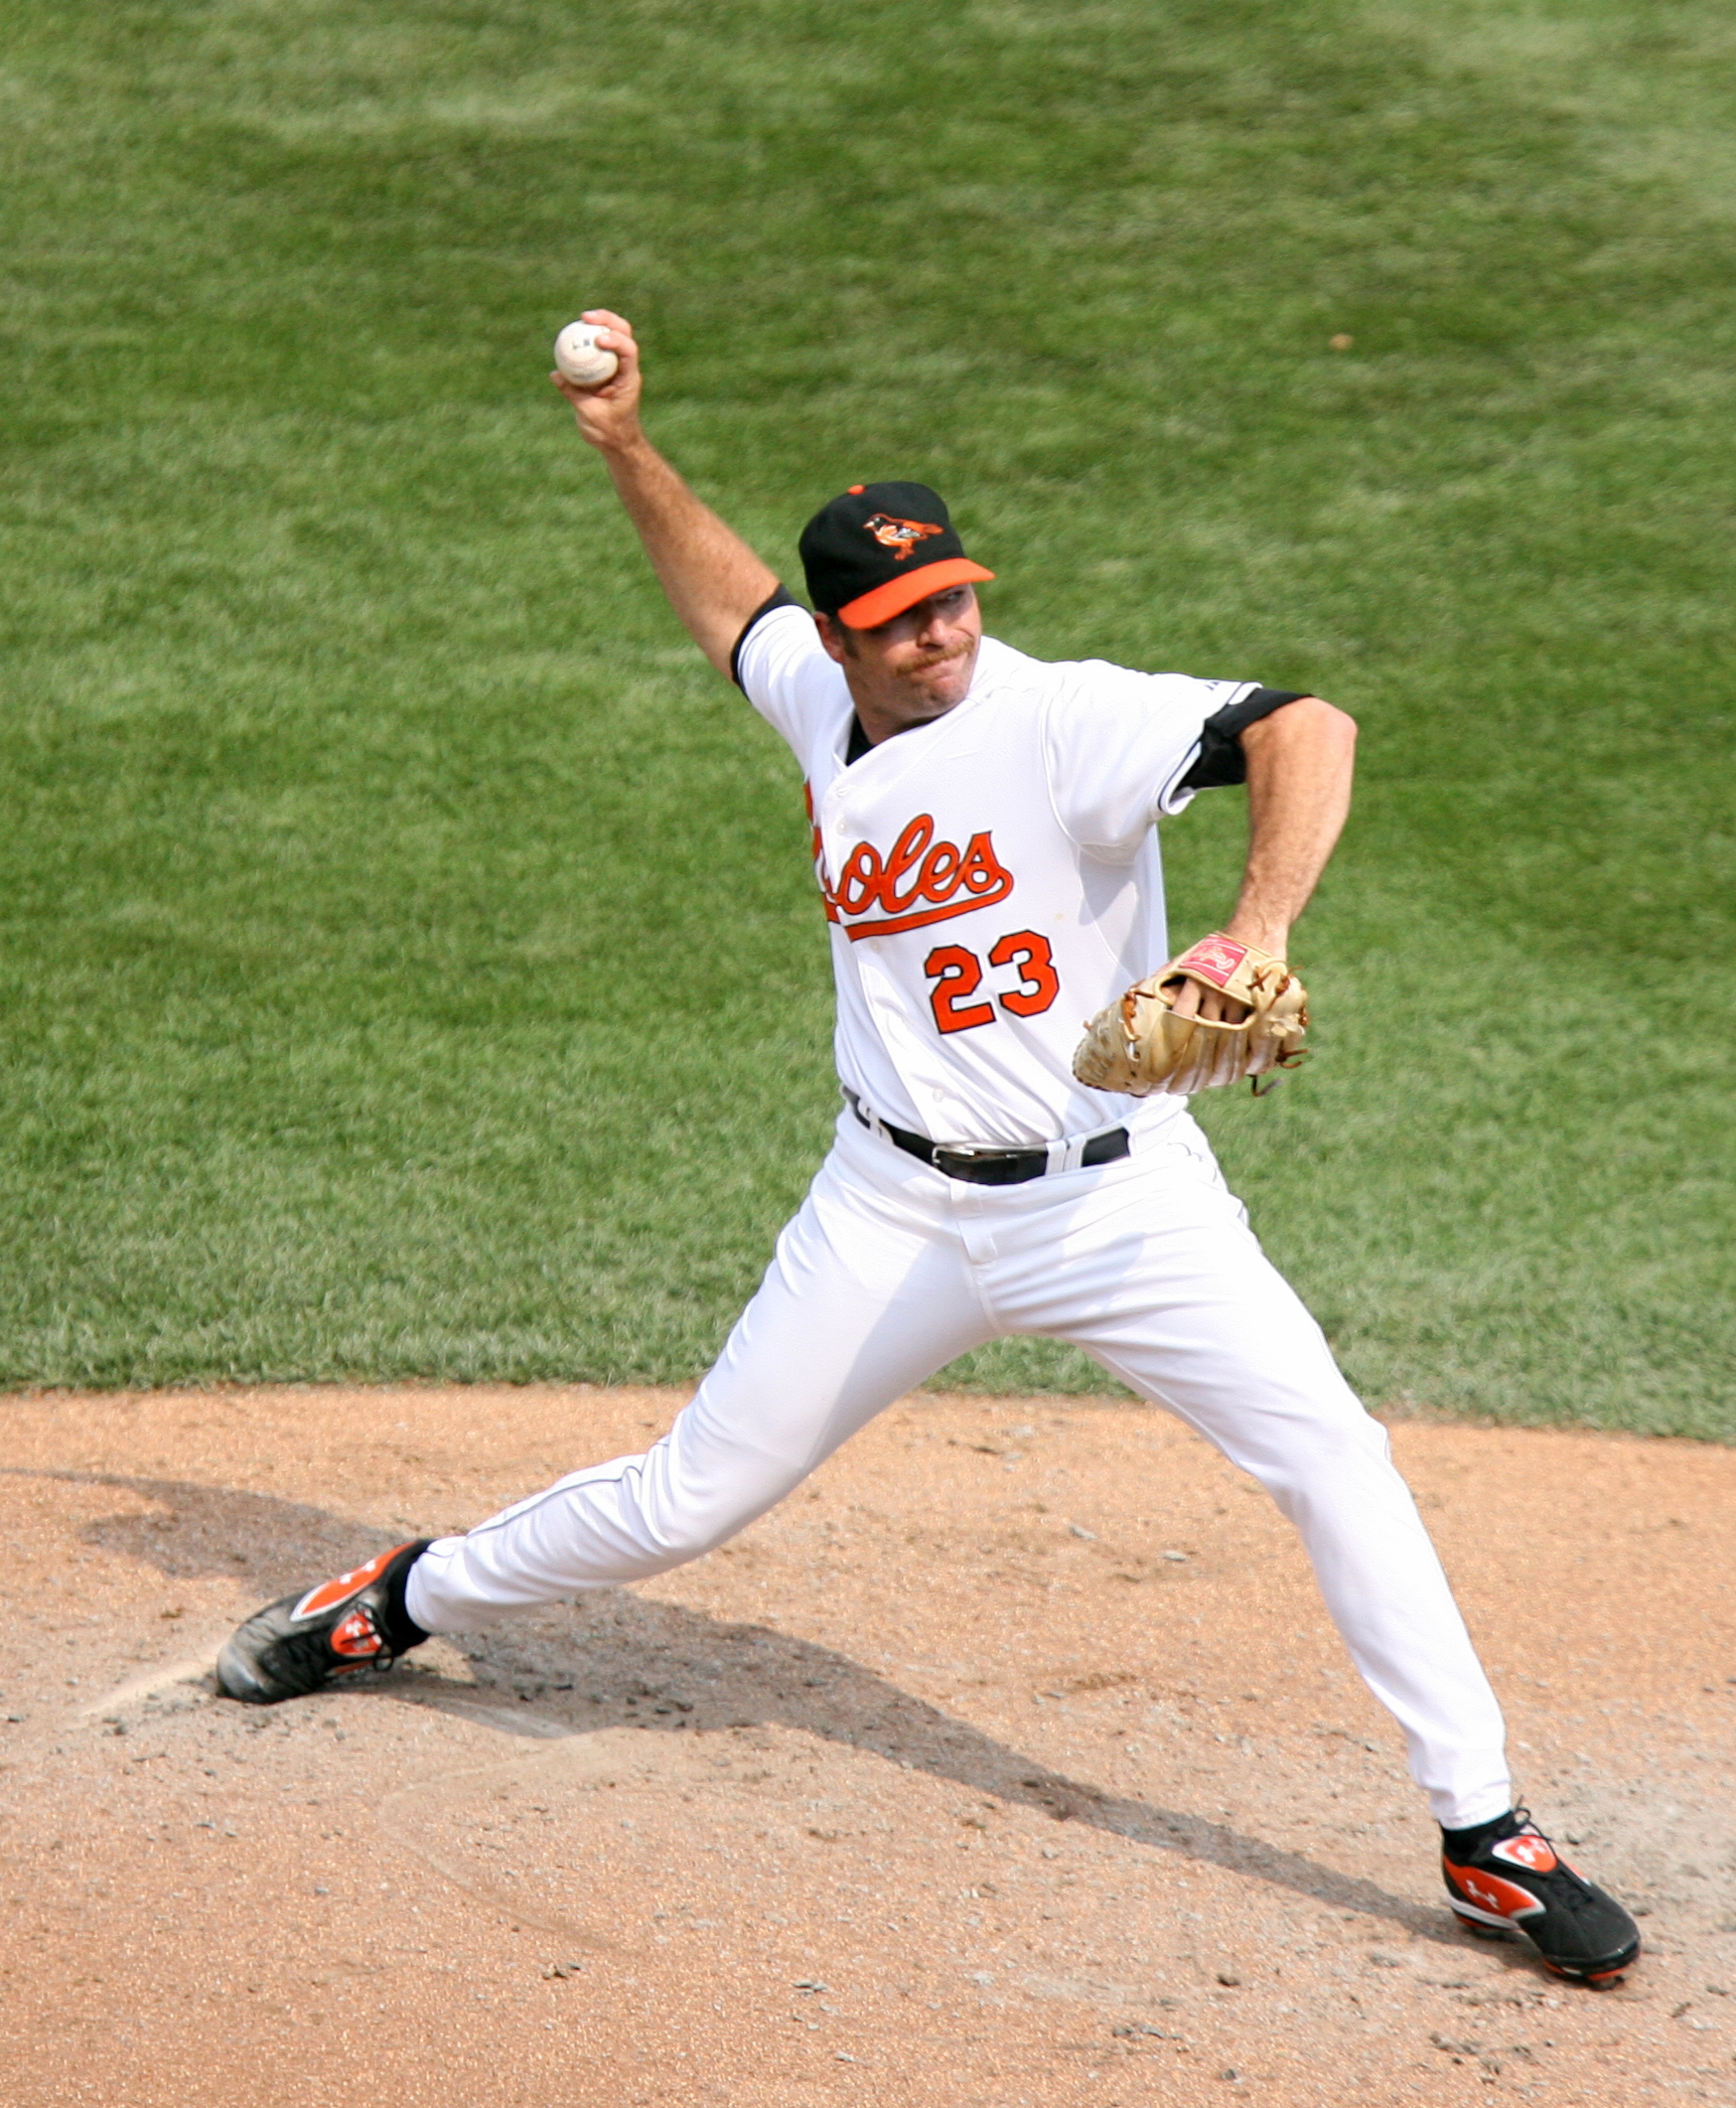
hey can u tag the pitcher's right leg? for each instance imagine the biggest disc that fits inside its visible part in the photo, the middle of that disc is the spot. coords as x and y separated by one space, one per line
867 1293
834 1335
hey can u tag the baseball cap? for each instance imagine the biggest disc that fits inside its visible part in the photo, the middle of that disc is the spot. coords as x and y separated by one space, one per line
878 550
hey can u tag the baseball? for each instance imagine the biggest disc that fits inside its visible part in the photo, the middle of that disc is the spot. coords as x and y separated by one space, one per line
581 359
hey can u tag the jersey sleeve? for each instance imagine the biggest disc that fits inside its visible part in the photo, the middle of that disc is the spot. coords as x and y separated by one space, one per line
1120 747
781 668
1221 759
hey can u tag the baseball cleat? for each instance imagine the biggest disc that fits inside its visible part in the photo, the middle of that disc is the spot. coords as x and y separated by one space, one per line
1512 1879
312 1638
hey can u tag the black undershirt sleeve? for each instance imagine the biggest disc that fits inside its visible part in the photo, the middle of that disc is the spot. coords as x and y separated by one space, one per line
779 599
1221 759
782 598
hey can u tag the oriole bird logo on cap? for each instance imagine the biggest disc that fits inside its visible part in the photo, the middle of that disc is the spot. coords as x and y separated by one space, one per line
900 535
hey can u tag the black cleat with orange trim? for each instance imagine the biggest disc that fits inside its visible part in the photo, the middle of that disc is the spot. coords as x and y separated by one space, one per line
310 1639
1507 1876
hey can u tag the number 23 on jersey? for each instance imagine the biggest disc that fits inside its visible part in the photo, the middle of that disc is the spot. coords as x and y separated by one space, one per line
957 974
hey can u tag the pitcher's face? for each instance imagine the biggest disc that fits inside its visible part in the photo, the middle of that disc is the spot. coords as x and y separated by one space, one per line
913 668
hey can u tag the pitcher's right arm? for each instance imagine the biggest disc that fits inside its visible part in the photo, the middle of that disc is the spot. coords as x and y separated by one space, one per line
714 581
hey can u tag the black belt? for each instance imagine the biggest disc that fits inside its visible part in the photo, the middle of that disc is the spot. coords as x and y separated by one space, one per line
982 1166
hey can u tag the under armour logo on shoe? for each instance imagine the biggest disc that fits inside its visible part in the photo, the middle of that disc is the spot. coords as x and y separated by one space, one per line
1526 1849
1492 1894
357 1634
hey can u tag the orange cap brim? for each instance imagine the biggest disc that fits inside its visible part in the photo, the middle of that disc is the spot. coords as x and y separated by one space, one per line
896 594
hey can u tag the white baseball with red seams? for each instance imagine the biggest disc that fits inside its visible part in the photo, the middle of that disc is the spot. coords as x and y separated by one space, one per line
581 359
992 879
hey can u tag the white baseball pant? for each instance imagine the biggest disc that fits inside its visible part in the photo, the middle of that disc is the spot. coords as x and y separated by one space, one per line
889 1270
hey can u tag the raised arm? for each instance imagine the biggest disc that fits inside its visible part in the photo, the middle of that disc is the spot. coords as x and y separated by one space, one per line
1300 762
713 579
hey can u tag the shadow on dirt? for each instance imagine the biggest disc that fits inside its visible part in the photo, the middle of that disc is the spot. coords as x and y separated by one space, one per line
628 1661
191 1529
617 1659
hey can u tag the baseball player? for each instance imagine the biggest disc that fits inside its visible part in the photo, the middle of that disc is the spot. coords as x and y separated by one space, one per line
984 842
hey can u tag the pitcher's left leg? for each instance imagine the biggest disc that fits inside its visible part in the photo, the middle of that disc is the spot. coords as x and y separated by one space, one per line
1168 1288
1193 1315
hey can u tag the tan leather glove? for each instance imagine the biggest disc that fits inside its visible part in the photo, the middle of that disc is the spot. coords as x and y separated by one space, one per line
1140 1047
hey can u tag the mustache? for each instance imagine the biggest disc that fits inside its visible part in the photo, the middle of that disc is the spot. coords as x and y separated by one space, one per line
934 658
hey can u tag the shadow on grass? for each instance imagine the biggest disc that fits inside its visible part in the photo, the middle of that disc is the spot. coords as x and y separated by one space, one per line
616 1659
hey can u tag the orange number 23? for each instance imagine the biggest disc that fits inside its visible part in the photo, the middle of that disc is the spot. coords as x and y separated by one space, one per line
957 974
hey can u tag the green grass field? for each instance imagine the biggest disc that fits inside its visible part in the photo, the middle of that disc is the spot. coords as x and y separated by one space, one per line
410 963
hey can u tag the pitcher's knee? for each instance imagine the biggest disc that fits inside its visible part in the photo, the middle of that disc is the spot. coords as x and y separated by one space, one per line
688 1537
682 1523
1327 1457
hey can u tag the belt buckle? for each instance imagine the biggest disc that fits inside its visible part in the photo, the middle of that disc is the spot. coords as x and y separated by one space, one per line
964 1153
977 1164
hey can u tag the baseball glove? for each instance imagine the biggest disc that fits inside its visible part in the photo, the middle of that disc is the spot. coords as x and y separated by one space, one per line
1140 1047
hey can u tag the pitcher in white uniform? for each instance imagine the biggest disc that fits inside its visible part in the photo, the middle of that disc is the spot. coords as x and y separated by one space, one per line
984 842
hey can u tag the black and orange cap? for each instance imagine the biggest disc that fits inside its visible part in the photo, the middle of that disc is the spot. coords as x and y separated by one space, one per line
878 550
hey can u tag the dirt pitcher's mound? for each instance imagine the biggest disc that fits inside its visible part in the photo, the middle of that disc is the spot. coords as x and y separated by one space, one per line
1012 1761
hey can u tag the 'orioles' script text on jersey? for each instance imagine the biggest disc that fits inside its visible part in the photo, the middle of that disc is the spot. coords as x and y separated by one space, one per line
918 881
991 878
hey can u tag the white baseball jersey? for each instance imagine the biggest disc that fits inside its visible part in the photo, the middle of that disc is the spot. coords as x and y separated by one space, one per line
992 879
